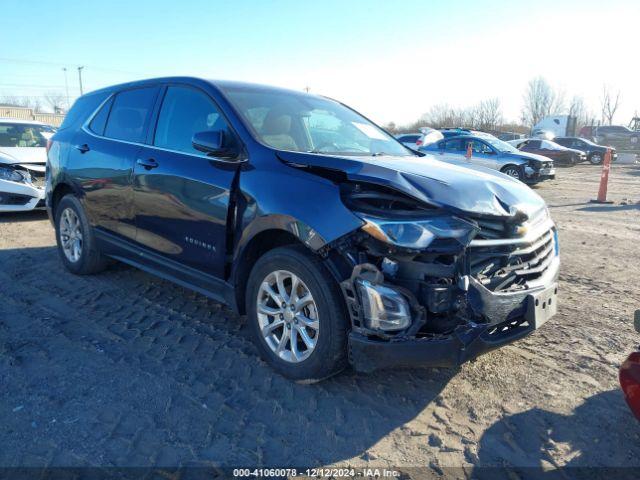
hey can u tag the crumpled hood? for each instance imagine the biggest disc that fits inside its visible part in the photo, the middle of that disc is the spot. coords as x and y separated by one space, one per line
531 156
23 155
469 189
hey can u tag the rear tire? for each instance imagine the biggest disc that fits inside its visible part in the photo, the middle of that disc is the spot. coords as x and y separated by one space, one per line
76 242
275 323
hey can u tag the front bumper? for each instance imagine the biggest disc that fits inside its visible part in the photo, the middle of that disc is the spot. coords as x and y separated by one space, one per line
540 175
464 344
20 197
512 316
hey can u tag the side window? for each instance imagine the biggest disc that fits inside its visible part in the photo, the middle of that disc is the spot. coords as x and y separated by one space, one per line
481 147
100 120
186 111
129 114
534 144
454 146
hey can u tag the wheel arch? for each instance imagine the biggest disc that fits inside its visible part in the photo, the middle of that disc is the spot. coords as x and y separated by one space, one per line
515 165
58 194
254 248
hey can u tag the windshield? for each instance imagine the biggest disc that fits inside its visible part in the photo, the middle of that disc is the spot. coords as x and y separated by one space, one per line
499 145
305 123
24 135
549 145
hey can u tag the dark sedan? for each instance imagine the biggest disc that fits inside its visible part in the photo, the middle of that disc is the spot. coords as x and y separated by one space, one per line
593 151
559 154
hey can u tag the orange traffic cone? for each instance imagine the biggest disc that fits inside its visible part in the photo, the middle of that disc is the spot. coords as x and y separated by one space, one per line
604 179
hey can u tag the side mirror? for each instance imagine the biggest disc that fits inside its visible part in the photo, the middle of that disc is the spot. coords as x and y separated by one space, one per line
214 143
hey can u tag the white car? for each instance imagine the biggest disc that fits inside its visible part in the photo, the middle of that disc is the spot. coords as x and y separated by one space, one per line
416 140
23 157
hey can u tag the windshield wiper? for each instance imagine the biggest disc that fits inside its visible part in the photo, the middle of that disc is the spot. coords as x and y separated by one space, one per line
378 154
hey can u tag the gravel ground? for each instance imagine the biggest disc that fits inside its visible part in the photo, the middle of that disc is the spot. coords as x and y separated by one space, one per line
124 369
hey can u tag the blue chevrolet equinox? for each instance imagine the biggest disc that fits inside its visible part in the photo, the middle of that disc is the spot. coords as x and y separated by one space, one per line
339 244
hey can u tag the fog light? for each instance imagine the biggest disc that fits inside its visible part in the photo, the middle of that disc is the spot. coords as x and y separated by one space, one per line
383 308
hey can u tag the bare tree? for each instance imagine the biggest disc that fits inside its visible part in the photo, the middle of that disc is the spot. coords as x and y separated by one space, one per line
391 127
444 115
488 114
26 102
579 110
541 100
609 104
56 101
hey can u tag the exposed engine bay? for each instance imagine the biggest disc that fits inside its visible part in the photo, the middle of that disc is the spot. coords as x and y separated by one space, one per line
418 271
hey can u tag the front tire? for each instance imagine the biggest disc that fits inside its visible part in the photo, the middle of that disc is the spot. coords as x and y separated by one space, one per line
297 315
595 159
76 243
512 171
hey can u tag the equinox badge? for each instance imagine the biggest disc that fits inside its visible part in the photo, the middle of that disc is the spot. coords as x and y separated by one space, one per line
198 243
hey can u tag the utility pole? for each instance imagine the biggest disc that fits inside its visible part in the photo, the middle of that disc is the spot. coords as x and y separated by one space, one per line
66 86
80 79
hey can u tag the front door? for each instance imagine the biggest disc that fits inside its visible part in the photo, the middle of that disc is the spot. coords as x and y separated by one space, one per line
181 196
482 154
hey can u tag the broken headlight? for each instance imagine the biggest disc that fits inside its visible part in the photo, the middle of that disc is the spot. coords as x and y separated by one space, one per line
418 233
383 308
14 175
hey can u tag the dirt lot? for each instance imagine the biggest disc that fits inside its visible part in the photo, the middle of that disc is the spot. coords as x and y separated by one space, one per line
126 369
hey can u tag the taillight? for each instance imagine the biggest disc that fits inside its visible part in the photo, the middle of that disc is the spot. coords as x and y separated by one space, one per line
630 382
419 142
48 147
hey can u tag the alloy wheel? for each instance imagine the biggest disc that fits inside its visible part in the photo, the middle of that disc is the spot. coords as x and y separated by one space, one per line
70 235
596 159
287 316
512 172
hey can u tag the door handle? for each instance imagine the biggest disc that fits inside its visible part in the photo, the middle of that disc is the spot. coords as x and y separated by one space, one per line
84 148
148 164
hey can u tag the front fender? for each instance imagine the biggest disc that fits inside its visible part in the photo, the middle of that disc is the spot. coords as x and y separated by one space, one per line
512 161
289 199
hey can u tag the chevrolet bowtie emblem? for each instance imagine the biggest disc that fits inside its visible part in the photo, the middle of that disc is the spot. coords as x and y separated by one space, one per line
521 229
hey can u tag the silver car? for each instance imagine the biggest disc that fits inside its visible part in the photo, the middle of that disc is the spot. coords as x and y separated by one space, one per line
488 151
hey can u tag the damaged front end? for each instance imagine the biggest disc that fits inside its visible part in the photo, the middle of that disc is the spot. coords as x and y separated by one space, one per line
427 285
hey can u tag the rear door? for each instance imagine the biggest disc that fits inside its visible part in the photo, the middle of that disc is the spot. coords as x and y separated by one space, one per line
103 156
181 195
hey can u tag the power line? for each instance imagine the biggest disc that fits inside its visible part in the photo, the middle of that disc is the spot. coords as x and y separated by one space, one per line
19 85
56 64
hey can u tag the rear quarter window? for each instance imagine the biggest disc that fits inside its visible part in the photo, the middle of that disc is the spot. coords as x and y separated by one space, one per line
99 122
82 108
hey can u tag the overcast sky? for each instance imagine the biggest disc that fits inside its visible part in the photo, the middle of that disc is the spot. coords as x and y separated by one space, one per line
389 60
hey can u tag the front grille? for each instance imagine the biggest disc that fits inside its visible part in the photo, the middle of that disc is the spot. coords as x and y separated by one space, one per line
503 261
490 229
14 199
